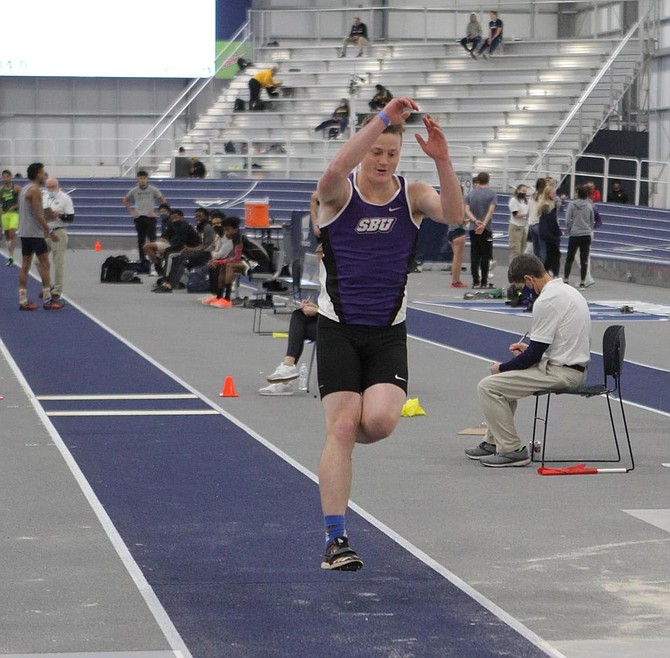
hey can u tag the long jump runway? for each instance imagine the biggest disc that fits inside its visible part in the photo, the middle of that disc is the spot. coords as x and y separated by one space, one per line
225 530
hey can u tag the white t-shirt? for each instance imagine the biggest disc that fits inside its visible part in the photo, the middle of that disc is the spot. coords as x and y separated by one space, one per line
521 209
61 203
561 319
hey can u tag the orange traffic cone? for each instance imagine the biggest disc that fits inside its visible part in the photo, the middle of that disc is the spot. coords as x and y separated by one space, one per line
98 246
228 390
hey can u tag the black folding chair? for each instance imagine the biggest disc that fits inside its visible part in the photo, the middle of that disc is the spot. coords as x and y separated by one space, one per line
614 347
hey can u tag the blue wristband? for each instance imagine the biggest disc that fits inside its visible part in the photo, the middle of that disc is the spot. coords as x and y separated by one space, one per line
384 118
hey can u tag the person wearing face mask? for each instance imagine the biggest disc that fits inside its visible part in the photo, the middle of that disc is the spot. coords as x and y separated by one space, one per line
518 221
189 256
59 213
139 203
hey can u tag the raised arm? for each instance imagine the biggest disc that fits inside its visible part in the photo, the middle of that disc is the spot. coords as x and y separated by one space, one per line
447 206
333 187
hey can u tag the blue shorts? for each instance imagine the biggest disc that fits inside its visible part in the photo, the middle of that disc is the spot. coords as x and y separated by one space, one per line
37 246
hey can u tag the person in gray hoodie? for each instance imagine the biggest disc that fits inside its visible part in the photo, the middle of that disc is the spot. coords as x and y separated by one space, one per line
580 222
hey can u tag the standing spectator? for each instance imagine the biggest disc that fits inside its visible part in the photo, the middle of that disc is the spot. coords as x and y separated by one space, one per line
339 117
495 36
479 206
358 35
456 238
616 194
139 202
580 222
593 192
9 195
262 80
59 212
538 246
550 231
33 231
518 222
473 35
556 358
380 99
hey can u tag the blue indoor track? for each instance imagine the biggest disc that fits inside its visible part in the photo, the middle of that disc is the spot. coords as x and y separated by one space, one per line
226 532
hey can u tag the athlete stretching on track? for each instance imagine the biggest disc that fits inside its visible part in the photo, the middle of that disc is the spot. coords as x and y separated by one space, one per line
369 224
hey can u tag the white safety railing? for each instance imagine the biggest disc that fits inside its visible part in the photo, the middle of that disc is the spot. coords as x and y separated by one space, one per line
574 117
524 19
277 158
144 146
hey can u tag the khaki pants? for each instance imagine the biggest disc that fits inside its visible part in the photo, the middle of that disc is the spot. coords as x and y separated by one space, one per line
58 253
498 395
361 42
517 240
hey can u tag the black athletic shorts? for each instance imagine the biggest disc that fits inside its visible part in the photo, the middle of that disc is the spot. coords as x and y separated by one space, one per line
37 246
354 357
455 233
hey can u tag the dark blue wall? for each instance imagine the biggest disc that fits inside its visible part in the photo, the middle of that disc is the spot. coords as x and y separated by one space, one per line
230 14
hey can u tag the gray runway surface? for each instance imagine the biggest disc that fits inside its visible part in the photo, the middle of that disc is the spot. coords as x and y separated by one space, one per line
561 554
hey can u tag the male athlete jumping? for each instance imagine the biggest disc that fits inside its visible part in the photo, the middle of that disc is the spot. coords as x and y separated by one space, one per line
369 222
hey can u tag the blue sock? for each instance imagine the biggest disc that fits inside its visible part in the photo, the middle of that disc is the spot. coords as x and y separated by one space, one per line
335 527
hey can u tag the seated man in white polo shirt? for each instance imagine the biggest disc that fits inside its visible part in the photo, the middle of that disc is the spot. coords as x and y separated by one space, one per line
556 358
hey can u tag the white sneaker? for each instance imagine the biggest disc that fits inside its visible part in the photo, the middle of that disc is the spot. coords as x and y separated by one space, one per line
283 373
152 271
277 389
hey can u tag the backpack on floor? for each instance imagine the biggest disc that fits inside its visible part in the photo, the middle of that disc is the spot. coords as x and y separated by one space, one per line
118 269
198 279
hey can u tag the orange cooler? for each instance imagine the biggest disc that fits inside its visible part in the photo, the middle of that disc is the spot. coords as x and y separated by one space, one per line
257 213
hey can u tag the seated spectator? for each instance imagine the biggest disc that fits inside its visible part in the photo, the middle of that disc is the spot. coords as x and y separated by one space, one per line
301 328
555 358
380 99
221 249
358 35
494 38
262 80
178 234
616 193
473 35
163 216
580 222
339 118
197 169
593 192
246 255
190 257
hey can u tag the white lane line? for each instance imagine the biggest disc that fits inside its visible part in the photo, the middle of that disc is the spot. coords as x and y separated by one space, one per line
656 517
95 654
140 396
137 412
179 648
494 609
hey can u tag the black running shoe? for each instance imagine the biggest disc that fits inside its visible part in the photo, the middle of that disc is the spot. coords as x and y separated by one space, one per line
341 557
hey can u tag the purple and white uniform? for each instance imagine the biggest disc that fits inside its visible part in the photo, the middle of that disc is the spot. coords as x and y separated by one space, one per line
367 249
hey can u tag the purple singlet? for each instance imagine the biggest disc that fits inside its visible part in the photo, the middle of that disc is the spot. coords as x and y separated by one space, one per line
367 249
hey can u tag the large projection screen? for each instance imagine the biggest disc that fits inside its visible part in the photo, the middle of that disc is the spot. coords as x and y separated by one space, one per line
116 39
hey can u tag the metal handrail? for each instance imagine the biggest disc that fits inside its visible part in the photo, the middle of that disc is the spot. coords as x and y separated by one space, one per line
587 92
184 100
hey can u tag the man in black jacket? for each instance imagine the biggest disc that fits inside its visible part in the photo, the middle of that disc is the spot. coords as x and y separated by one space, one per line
358 35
